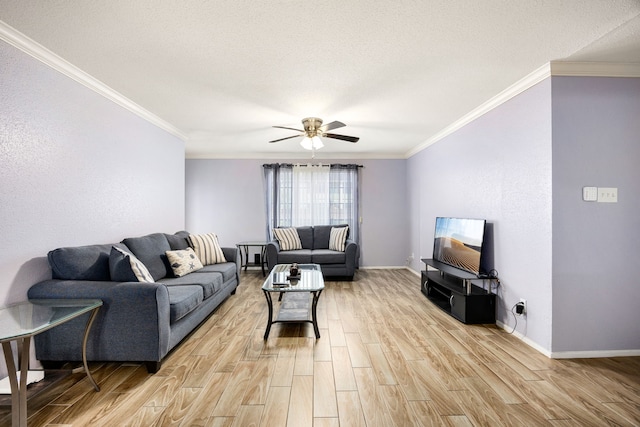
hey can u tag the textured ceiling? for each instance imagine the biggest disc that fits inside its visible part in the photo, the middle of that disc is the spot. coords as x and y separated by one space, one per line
396 72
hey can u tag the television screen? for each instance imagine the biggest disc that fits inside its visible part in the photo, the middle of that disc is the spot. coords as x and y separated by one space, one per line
458 242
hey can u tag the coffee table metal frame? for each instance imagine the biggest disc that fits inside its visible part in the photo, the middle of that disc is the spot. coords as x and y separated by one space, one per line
311 281
24 320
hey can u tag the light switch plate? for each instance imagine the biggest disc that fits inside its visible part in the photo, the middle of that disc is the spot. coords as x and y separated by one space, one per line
607 195
590 194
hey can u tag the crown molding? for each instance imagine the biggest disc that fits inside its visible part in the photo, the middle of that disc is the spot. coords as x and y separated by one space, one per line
44 55
326 155
512 91
595 69
551 69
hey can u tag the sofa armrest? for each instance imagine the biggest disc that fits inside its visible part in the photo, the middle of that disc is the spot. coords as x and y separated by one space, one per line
351 256
273 248
132 324
233 255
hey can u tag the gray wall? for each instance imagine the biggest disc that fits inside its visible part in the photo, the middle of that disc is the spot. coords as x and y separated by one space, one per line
522 166
596 142
498 167
75 169
227 197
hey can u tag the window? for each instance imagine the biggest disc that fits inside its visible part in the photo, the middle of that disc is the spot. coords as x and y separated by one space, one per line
311 195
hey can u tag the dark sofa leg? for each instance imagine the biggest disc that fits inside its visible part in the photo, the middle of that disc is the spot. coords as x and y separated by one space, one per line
52 364
153 367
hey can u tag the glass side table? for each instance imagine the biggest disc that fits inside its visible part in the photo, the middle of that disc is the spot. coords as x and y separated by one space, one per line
22 321
244 250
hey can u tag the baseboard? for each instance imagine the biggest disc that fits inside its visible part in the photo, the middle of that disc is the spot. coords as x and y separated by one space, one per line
594 354
393 267
588 354
523 338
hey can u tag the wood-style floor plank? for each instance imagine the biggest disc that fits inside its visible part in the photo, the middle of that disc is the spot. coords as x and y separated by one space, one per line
386 357
301 402
324 391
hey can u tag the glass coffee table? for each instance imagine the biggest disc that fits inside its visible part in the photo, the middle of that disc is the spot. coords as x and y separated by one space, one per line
20 322
294 298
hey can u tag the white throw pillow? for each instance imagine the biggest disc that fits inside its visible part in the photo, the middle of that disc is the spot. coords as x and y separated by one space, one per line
183 262
207 248
338 238
287 238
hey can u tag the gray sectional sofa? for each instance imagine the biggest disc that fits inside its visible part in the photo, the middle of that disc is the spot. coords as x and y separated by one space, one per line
315 250
138 322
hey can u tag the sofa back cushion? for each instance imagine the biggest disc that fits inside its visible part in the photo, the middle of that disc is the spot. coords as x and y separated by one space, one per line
81 262
178 241
322 234
306 237
151 250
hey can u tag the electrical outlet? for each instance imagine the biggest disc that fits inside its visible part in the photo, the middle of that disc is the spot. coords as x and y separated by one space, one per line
409 259
521 307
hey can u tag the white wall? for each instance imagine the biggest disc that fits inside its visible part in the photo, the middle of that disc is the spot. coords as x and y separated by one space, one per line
75 169
227 197
499 168
596 142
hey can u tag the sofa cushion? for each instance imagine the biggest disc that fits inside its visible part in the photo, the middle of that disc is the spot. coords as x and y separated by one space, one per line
151 250
183 262
178 241
306 237
327 256
322 235
81 262
125 267
338 238
207 248
301 256
288 238
227 269
210 282
183 300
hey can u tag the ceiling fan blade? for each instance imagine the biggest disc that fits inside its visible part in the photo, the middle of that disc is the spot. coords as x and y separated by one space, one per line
342 137
282 139
331 126
283 127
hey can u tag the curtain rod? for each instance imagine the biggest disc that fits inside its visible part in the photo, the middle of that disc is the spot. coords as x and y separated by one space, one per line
312 164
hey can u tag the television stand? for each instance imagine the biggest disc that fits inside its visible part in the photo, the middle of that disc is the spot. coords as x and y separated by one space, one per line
454 291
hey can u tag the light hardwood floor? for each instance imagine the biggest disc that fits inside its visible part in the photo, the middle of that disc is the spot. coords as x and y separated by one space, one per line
386 357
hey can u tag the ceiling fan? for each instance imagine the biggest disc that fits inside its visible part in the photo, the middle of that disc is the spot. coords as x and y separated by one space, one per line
313 130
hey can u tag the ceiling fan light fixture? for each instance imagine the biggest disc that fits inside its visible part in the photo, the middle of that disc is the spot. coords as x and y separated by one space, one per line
313 143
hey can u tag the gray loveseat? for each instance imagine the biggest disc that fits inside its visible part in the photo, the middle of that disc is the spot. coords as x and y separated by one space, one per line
315 249
138 322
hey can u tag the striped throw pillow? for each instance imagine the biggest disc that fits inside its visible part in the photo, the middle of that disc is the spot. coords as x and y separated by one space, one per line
207 248
125 267
287 238
338 238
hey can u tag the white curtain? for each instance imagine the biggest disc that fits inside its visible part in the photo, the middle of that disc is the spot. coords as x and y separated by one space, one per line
310 195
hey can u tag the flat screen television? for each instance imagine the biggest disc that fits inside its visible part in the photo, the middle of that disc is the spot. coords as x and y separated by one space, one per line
462 243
